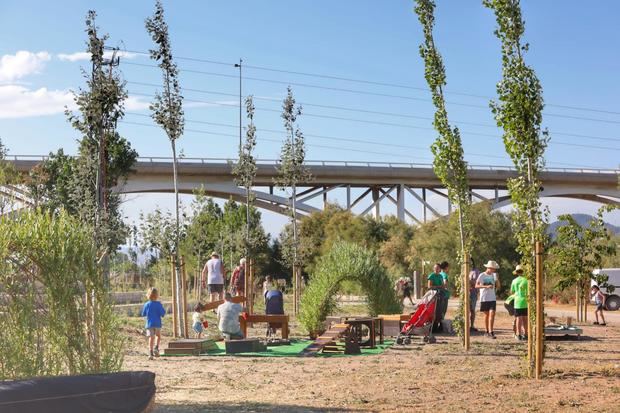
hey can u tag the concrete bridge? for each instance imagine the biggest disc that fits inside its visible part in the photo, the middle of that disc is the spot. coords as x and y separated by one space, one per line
363 184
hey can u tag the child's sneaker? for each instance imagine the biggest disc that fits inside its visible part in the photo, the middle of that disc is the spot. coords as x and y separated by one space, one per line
156 351
151 356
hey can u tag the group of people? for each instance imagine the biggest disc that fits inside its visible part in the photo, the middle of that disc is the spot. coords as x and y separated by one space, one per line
228 313
483 286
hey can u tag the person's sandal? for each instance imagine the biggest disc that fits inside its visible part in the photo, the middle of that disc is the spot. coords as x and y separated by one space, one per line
492 335
595 323
603 324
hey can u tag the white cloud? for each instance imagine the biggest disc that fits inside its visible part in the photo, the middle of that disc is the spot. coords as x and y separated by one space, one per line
136 103
21 64
80 56
21 102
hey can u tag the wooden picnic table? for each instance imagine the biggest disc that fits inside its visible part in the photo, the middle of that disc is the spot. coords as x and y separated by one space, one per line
282 319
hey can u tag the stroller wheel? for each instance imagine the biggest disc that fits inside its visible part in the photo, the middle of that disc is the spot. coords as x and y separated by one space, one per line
431 339
407 340
399 340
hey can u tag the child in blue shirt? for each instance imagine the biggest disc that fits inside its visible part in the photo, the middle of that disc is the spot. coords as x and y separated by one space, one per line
153 310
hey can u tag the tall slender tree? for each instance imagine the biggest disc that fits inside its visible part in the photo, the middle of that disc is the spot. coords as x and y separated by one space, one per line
449 164
245 170
518 111
167 108
105 158
292 170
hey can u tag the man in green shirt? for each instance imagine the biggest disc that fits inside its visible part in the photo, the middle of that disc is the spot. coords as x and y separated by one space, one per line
435 282
519 288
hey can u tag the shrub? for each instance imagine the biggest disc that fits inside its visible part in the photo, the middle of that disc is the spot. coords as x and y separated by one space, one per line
346 262
56 317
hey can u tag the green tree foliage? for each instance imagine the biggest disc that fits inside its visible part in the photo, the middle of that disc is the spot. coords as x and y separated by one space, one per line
319 231
167 106
493 239
448 163
346 262
578 250
245 172
291 170
69 182
518 112
55 317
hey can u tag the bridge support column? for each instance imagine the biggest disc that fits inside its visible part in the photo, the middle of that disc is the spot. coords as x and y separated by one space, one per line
375 199
400 202
424 203
348 197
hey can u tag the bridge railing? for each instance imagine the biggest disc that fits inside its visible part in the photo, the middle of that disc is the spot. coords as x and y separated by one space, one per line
159 159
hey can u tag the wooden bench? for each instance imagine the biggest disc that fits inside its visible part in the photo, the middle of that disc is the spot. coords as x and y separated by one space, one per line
265 318
215 304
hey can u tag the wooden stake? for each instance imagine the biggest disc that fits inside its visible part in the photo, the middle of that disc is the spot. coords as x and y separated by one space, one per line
184 298
540 315
246 277
466 304
175 321
577 304
250 293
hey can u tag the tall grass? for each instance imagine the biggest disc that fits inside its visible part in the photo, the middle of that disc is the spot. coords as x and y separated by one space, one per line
55 313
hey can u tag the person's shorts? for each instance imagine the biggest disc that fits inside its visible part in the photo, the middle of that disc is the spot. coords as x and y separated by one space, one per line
521 312
216 288
488 306
198 328
153 331
472 302
600 307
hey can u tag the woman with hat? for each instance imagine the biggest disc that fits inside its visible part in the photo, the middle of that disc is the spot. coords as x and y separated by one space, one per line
487 283
519 289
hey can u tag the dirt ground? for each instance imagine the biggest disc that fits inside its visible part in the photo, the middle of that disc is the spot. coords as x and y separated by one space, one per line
580 375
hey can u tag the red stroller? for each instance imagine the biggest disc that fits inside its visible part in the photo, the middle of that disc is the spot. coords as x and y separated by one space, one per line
421 322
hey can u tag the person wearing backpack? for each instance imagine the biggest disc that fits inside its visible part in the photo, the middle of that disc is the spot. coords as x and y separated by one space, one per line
599 300
237 281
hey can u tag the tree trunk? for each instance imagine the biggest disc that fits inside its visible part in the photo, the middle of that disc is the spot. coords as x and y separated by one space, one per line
177 277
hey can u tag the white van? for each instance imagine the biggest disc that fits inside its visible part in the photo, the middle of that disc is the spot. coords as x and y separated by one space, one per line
612 303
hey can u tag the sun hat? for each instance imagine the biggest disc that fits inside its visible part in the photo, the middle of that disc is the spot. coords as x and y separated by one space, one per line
492 264
215 254
518 269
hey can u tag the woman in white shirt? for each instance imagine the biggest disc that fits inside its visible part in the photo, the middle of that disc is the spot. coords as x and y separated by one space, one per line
488 283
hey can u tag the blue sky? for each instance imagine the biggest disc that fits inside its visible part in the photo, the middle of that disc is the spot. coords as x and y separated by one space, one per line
572 50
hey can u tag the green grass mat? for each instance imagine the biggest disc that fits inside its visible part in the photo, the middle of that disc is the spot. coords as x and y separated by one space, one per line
293 350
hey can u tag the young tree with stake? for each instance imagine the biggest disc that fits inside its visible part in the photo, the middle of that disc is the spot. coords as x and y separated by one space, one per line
291 172
245 171
448 164
167 109
518 112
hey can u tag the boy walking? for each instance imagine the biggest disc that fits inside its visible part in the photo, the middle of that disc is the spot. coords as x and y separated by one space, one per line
153 311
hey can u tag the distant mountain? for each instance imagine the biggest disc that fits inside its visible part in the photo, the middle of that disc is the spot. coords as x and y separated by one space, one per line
583 220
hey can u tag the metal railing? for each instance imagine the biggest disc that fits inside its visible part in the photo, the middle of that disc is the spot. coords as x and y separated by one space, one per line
368 164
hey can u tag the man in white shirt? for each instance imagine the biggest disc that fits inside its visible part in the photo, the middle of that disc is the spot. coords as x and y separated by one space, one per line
228 318
215 274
